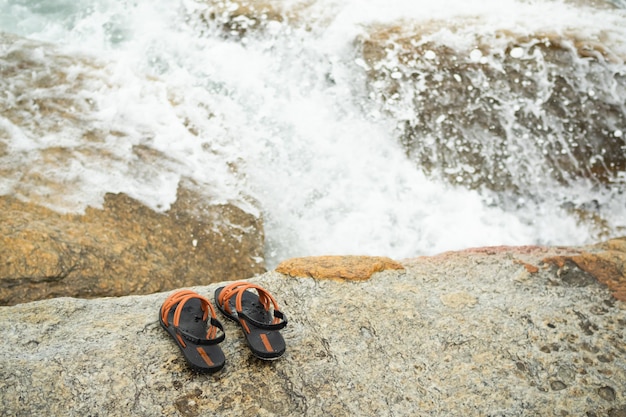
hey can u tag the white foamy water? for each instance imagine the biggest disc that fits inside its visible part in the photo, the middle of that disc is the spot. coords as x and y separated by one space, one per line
284 117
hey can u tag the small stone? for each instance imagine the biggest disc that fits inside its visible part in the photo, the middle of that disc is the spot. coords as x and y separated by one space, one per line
458 300
557 385
572 276
605 358
607 393
606 266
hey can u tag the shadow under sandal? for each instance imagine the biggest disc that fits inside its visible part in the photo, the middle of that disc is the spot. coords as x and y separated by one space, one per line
258 315
184 316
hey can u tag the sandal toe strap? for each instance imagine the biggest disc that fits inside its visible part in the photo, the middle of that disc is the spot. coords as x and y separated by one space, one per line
212 337
269 303
275 325
178 301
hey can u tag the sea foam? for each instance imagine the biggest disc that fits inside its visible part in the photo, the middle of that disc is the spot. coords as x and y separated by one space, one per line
282 115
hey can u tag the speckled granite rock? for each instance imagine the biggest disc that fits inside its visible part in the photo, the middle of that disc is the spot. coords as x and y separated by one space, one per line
605 262
492 331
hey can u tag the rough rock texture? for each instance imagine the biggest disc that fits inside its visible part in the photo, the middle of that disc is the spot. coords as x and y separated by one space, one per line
492 331
124 248
349 267
606 263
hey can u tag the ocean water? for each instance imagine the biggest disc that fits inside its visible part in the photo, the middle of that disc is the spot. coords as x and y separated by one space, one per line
327 117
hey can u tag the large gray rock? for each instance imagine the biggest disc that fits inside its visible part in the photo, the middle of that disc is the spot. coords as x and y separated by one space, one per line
496 331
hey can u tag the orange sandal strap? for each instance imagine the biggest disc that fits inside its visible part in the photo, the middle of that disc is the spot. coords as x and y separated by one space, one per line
257 313
266 299
179 299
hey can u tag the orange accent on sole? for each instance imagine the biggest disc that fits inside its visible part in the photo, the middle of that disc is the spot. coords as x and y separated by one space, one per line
204 356
181 341
266 343
244 325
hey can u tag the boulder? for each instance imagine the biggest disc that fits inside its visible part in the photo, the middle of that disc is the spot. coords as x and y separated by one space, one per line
124 248
490 331
468 104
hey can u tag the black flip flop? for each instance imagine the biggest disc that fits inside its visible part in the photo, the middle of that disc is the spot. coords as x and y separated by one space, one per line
184 316
257 314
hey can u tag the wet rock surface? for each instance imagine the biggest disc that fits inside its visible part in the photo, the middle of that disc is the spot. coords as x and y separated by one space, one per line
123 248
237 19
461 333
544 99
525 118
90 204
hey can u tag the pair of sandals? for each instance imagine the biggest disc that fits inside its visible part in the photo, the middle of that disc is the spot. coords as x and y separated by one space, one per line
191 321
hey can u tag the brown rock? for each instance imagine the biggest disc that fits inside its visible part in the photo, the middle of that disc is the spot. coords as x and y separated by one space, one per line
238 18
355 268
606 263
529 267
123 248
469 139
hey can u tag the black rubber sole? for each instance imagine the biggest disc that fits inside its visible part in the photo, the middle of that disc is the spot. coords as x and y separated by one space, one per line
200 357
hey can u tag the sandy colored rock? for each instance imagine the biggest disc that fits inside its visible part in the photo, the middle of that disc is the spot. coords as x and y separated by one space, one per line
238 18
349 267
458 300
605 262
124 248
529 345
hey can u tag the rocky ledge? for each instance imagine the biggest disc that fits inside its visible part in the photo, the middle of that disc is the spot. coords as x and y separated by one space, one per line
505 331
124 248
